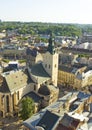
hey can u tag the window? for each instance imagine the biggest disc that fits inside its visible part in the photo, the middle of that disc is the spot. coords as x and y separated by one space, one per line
2 98
49 66
18 95
35 87
55 66
7 102
13 100
45 65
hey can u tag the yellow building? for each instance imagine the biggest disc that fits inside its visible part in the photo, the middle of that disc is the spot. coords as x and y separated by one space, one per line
71 76
65 77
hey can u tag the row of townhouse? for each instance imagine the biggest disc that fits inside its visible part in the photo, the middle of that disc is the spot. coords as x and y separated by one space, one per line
76 76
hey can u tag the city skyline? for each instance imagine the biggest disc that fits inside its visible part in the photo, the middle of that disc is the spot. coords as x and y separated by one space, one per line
54 11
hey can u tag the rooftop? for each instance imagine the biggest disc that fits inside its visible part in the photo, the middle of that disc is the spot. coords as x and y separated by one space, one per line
48 124
47 89
39 73
56 109
34 96
68 123
65 68
16 79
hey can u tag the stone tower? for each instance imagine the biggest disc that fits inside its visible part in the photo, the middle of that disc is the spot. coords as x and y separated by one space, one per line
50 61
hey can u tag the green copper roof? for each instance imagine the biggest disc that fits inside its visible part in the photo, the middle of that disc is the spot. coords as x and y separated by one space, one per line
51 47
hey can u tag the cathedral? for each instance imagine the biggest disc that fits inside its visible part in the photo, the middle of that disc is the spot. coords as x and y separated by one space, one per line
38 82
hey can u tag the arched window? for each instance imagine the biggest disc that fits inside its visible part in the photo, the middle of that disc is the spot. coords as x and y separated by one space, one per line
18 95
7 103
49 66
13 100
2 99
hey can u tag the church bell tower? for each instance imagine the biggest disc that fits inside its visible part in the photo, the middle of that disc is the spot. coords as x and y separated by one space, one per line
50 61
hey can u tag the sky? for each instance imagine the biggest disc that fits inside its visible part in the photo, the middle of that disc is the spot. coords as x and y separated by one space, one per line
54 11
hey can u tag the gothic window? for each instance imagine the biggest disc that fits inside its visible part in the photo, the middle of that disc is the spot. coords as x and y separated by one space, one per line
13 100
2 98
18 95
7 103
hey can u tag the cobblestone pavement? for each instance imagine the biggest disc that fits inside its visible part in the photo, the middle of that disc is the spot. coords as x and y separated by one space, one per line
10 123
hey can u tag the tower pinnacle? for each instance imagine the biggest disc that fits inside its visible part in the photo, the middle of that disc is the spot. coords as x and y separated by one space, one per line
51 47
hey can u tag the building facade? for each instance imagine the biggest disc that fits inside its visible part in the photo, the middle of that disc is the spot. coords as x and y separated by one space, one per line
74 77
50 61
14 85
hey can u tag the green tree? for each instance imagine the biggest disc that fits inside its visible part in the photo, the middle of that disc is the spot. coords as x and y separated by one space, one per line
27 108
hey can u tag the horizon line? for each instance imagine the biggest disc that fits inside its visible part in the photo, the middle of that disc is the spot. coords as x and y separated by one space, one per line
44 22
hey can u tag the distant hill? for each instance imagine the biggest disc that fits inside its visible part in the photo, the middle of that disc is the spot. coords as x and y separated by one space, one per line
59 29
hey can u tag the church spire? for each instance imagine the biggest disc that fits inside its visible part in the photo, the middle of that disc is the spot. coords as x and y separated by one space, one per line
51 47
